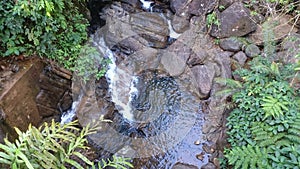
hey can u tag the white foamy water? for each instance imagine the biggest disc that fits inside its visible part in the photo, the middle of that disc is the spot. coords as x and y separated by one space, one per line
69 115
133 90
121 83
173 34
146 4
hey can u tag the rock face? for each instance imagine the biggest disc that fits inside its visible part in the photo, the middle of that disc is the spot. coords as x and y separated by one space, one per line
290 48
204 75
226 3
201 7
55 95
234 21
151 27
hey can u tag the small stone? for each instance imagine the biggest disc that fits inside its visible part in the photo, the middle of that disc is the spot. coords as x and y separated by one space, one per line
216 162
208 149
252 51
197 142
231 44
240 57
2 67
15 68
200 156
183 166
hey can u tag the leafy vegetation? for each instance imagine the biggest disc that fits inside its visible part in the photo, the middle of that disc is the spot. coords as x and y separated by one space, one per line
265 118
90 64
51 28
212 19
263 126
53 146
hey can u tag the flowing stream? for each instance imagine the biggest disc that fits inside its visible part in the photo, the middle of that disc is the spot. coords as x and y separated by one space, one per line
156 119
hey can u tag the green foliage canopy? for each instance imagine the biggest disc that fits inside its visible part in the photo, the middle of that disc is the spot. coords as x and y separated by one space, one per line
50 28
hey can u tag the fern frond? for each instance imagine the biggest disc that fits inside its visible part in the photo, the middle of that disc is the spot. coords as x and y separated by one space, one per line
116 162
273 107
229 82
252 156
293 138
51 146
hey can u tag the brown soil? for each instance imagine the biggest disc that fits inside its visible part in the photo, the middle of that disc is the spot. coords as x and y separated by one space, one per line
9 66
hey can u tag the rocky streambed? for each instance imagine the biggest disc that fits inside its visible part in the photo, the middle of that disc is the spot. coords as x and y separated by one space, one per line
160 90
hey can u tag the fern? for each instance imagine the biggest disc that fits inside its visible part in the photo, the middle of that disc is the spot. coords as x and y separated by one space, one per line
248 157
232 86
264 136
273 107
116 162
293 133
52 146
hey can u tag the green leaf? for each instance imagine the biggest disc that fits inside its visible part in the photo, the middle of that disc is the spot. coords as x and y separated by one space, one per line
25 159
74 163
83 158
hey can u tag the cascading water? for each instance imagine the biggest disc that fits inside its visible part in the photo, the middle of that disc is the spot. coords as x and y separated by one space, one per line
156 116
118 77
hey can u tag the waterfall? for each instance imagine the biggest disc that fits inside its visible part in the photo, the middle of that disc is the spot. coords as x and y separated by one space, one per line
172 34
69 115
121 83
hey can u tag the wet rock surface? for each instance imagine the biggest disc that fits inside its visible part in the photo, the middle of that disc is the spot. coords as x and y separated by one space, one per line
17 99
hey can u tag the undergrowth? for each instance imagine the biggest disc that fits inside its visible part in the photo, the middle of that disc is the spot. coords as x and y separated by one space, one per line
53 146
48 28
263 127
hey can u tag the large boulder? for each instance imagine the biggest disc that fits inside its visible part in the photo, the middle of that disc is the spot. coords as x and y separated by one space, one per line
194 7
204 75
234 21
201 7
151 29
